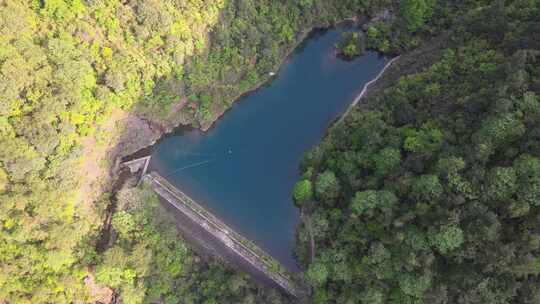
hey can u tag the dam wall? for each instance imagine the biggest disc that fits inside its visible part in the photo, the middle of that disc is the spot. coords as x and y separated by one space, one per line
225 242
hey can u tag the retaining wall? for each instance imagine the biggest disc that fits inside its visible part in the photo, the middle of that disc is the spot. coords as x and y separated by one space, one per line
233 241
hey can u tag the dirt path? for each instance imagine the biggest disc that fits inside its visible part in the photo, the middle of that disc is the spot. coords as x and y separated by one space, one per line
311 239
92 167
364 90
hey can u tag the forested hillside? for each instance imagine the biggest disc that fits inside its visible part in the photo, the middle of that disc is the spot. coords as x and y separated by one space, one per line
429 192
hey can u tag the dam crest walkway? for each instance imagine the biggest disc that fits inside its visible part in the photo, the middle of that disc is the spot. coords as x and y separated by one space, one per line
250 253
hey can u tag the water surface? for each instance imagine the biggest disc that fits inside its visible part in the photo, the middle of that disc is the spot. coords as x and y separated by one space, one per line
245 167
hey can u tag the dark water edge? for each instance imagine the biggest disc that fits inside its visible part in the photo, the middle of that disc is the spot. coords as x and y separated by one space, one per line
253 151
181 129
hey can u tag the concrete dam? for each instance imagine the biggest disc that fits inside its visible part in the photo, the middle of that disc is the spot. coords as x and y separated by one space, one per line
216 237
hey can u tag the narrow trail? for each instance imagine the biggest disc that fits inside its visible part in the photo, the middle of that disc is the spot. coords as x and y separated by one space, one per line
365 88
311 239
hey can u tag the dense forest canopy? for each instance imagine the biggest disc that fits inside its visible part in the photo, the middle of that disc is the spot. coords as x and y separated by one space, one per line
430 191
429 194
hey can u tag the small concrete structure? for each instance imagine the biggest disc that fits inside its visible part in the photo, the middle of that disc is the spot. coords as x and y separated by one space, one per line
138 165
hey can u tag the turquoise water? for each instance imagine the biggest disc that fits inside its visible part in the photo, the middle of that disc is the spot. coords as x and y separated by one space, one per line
244 168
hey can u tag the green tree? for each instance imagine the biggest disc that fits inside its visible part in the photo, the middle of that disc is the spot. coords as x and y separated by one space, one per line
317 274
351 45
427 187
427 139
386 160
415 285
327 187
449 165
115 276
448 238
123 223
366 203
496 131
372 296
303 191
502 183
528 171
416 12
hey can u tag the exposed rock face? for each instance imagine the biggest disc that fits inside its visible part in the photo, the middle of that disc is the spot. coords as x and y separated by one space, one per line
138 133
98 292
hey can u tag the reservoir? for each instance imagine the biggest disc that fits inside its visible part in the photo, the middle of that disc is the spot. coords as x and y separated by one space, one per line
244 168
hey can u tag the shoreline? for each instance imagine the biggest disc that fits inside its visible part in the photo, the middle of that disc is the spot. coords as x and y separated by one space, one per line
169 130
303 37
365 90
